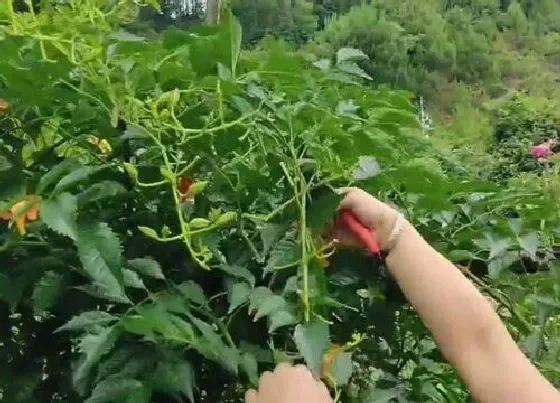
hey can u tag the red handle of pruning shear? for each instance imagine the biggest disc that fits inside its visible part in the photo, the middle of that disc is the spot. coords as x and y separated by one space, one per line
364 234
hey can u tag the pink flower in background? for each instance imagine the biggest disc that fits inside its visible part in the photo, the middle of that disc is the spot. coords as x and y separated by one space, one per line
543 150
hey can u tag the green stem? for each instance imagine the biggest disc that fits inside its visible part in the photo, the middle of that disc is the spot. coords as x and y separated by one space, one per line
304 266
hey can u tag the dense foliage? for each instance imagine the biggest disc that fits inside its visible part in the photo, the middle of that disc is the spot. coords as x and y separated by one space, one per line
164 199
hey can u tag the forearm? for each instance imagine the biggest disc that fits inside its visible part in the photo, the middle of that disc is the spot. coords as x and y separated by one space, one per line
450 306
464 324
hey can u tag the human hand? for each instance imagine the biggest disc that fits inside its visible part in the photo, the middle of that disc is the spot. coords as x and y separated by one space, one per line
374 214
289 384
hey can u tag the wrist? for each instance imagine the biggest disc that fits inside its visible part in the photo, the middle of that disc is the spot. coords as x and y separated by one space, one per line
407 233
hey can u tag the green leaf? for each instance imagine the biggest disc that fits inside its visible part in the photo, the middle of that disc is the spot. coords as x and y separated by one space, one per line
99 251
321 211
533 344
56 173
342 368
239 272
75 177
530 244
100 191
60 215
346 54
86 320
258 296
134 132
249 365
123 36
92 346
235 41
496 265
147 267
269 305
238 295
131 279
193 292
366 168
281 318
498 247
48 290
312 339
285 253
270 234
116 390
173 377
214 348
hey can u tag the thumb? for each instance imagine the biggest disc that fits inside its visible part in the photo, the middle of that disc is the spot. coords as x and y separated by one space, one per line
251 396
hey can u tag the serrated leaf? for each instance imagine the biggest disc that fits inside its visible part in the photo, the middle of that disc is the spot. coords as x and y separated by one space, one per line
75 177
92 346
286 252
505 260
238 295
116 390
214 348
345 54
239 272
366 168
123 36
147 267
342 368
312 340
60 215
270 234
193 292
258 296
249 365
47 291
281 318
322 210
135 132
173 377
99 251
55 174
269 305
354 70
322 64
100 191
87 319
131 279
498 247
530 244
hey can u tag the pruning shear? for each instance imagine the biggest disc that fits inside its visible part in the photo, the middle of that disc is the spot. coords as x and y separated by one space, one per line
366 236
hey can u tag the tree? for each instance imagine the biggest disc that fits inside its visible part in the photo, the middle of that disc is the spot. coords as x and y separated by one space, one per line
517 20
407 42
213 11
292 20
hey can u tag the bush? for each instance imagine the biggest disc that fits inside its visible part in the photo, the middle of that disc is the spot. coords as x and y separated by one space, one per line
165 201
520 123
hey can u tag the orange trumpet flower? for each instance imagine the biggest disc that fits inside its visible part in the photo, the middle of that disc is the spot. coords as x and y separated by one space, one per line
22 211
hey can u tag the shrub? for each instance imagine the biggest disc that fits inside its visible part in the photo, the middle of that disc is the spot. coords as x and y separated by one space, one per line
164 202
